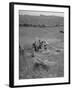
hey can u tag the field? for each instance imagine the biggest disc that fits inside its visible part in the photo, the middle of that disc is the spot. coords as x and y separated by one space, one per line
28 69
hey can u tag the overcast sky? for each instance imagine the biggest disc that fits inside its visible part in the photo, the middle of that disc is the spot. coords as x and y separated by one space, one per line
38 13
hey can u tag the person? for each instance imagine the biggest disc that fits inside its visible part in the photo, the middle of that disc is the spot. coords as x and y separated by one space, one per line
40 44
34 46
45 47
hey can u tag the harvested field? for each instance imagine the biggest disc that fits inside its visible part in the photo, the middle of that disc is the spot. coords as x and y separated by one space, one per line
46 64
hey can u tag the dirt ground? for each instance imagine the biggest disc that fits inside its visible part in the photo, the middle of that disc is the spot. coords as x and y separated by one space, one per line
28 68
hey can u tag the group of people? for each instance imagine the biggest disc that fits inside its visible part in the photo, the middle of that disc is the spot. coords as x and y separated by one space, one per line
39 44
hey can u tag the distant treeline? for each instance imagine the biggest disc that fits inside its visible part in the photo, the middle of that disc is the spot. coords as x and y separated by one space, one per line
43 25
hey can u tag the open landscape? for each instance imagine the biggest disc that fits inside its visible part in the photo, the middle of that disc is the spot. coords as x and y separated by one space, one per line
44 63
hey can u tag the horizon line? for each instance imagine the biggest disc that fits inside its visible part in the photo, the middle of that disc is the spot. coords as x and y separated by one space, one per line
40 15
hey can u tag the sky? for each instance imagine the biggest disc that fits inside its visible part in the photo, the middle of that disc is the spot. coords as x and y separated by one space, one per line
38 13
